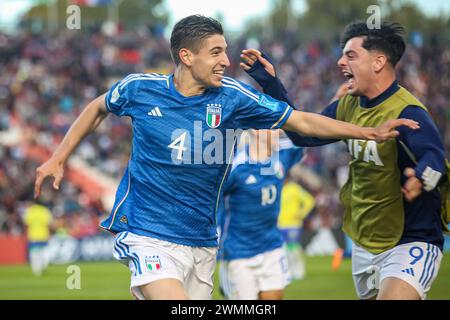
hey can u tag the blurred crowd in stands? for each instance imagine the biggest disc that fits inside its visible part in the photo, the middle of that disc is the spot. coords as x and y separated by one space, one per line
45 82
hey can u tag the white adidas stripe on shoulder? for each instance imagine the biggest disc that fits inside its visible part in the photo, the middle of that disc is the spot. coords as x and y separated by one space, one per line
156 74
238 84
242 91
132 75
232 81
141 76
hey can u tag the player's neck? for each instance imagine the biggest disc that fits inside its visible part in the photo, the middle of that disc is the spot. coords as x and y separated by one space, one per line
380 85
185 84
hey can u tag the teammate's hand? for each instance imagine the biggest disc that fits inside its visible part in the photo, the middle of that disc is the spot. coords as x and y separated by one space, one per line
52 167
387 130
250 56
413 186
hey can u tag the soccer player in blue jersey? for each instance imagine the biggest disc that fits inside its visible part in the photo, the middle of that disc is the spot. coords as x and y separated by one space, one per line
164 212
253 262
393 208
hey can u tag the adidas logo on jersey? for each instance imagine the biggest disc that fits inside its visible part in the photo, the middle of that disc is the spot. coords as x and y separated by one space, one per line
250 180
155 112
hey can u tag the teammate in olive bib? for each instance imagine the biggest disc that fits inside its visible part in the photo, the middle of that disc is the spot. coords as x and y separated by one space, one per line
392 206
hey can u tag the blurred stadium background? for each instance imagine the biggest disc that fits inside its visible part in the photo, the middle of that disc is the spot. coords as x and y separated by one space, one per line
48 73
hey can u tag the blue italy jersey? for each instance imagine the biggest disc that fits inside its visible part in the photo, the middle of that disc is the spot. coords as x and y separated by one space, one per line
181 153
252 196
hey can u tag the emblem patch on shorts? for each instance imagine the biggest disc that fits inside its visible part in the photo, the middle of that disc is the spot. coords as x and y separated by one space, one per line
153 263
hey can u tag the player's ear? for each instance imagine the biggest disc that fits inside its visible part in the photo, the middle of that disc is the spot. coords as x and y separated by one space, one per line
185 56
379 62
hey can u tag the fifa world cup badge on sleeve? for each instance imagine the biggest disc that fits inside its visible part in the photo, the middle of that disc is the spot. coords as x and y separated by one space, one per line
264 102
153 263
213 115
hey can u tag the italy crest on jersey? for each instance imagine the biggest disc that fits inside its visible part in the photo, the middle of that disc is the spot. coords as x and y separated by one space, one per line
213 115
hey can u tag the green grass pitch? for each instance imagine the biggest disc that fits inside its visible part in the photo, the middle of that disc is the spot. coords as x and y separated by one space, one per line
110 280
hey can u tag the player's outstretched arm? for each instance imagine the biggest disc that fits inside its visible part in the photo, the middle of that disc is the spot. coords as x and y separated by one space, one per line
315 125
87 121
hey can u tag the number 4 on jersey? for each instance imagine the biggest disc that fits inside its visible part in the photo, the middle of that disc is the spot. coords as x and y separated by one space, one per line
178 144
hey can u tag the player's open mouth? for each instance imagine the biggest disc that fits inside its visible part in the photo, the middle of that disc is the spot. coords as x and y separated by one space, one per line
350 78
348 75
219 73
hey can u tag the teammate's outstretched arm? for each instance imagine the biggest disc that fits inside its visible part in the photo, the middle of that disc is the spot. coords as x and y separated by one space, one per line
316 125
87 121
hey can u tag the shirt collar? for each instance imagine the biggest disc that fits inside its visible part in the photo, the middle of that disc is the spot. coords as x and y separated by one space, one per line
369 103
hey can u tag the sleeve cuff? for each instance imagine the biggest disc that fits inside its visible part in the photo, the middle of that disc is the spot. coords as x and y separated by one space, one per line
108 108
280 123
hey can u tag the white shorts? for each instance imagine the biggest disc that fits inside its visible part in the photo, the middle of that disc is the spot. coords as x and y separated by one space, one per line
151 259
417 263
243 279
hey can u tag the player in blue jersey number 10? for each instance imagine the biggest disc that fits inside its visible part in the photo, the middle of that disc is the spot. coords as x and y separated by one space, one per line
253 262
164 213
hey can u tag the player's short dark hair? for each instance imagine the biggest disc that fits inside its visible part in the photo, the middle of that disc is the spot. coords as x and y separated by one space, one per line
189 32
387 39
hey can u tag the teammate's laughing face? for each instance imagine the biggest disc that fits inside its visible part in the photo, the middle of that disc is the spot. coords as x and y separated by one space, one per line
357 65
209 63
